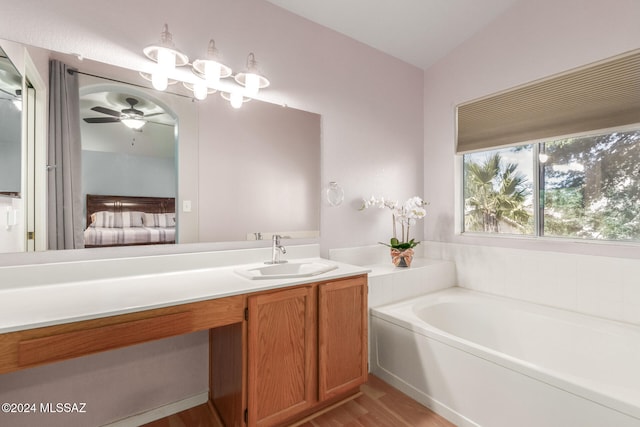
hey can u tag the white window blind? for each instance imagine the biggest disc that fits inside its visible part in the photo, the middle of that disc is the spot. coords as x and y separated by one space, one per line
599 96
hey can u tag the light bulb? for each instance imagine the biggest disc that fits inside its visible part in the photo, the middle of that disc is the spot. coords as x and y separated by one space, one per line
159 80
543 157
166 60
200 90
252 84
236 99
212 72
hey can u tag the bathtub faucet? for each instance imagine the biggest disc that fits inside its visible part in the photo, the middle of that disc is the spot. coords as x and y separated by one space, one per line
276 249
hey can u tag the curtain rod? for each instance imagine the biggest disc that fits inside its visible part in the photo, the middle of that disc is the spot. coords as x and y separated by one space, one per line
71 71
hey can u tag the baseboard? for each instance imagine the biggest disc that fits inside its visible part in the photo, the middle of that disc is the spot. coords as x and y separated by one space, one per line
161 412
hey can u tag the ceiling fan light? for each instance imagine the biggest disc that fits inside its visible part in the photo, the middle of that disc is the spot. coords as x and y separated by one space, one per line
133 123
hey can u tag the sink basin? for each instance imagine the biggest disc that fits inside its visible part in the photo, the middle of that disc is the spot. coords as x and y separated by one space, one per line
287 270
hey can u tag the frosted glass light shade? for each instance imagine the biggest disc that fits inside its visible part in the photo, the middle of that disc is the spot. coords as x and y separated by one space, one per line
200 90
251 78
252 84
235 98
167 57
199 87
133 123
159 80
166 60
212 69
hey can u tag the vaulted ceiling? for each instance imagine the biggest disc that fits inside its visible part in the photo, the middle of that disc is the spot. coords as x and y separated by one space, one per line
416 31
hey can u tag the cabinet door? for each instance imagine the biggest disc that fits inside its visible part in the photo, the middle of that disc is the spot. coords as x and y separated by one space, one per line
342 336
281 358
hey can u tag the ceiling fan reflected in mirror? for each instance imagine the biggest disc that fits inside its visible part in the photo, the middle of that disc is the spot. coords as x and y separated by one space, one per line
131 117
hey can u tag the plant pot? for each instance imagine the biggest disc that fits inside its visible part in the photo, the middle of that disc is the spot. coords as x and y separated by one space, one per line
402 258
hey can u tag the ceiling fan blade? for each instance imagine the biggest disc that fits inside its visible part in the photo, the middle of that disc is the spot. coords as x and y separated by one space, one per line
108 111
101 120
154 114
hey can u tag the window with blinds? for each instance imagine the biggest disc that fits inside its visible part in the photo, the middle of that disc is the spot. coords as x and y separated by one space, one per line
556 158
599 96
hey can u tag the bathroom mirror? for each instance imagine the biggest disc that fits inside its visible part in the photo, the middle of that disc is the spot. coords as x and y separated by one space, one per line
10 128
242 175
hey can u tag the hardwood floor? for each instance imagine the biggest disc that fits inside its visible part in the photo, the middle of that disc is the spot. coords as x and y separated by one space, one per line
379 405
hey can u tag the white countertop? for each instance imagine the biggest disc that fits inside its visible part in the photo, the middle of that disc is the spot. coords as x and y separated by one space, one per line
57 303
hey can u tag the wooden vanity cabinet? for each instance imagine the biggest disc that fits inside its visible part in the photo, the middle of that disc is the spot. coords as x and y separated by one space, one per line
307 347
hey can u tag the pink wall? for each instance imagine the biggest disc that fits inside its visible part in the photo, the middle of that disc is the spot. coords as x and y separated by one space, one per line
530 41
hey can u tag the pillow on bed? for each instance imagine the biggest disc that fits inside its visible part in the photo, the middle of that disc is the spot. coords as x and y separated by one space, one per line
102 219
160 219
129 219
107 219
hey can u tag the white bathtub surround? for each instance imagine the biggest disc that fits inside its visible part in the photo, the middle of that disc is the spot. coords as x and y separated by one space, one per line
388 283
482 360
596 285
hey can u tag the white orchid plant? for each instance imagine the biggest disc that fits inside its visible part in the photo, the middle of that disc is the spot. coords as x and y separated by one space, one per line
406 215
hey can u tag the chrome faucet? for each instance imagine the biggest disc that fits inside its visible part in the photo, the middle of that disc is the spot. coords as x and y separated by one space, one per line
276 249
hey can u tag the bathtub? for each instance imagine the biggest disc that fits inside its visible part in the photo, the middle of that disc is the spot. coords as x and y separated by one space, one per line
482 360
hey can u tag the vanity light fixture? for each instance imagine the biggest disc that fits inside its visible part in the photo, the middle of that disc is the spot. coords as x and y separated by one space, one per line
209 71
251 78
167 57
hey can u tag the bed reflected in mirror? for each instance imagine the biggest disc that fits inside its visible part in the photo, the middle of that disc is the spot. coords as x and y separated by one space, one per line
129 167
